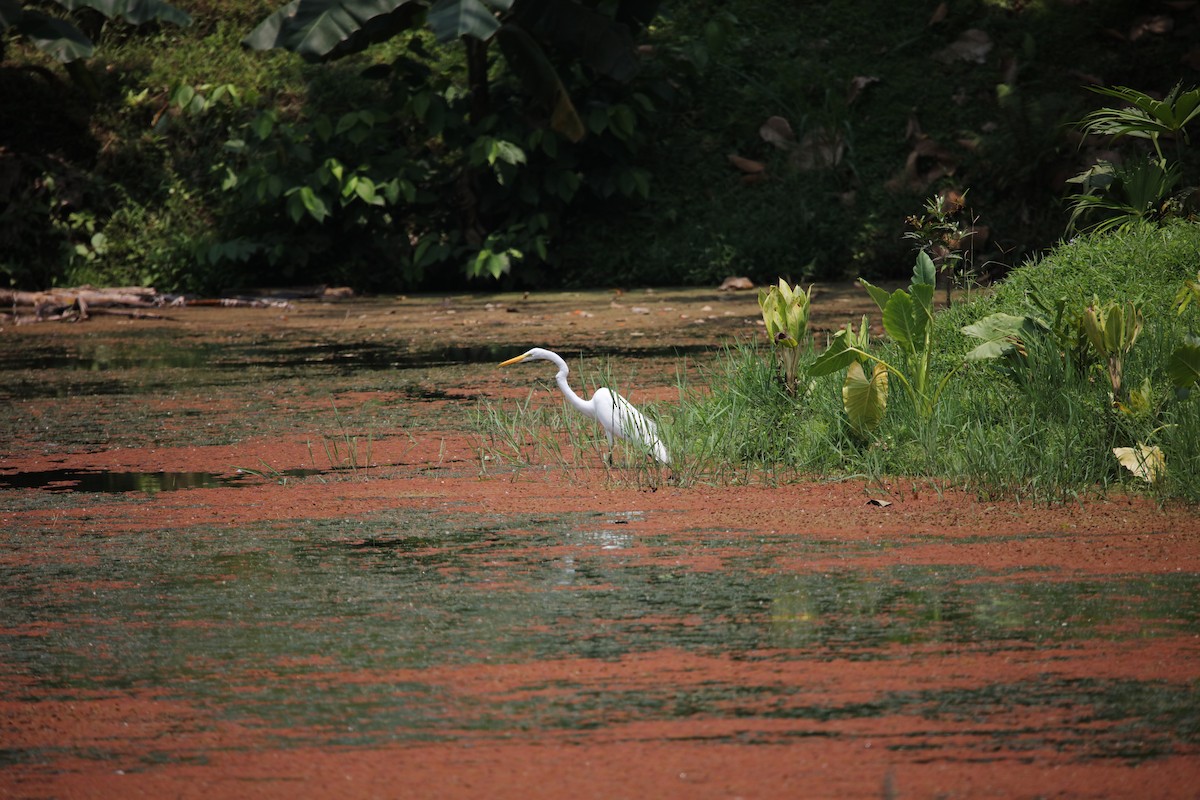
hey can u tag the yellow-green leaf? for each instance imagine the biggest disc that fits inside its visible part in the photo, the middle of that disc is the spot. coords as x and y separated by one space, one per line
865 398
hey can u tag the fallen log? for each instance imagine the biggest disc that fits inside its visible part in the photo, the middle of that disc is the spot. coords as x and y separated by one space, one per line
82 302
124 296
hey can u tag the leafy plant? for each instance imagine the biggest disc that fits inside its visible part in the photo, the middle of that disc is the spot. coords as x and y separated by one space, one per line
1188 293
481 174
785 312
1112 330
865 396
1125 193
908 322
1183 365
942 234
64 41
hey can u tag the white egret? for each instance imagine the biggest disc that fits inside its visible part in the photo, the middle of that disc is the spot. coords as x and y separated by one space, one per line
615 414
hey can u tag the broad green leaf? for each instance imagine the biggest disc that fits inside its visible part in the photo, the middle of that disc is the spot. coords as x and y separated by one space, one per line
922 295
507 152
183 96
365 189
336 168
880 296
135 12
597 121
924 272
295 207
488 263
865 399
1183 365
321 30
303 199
1002 334
642 178
346 122
452 19
55 37
839 355
901 323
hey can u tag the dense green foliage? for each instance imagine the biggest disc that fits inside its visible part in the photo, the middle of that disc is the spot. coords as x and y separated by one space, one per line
1044 425
193 163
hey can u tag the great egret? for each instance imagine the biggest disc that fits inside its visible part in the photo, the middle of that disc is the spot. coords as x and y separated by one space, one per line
615 414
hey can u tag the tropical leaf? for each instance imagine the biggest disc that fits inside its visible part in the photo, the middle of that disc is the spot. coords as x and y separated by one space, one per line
452 19
54 37
865 398
323 30
1002 335
922 313
837 356
1147 116
901 322
880 296
135 12
1183 365
924 272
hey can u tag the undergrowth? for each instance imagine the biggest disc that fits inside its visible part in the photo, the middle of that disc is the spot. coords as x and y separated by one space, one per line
1045 432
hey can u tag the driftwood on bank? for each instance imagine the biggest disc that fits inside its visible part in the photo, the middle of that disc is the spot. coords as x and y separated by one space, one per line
80 303
83 302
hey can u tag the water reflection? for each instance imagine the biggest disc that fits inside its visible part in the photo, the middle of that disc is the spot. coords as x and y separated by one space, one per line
217 614
175 352
83 480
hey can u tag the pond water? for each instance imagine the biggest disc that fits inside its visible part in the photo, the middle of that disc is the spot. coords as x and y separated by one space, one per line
163 557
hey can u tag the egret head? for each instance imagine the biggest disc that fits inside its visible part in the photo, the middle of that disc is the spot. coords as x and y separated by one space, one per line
530 355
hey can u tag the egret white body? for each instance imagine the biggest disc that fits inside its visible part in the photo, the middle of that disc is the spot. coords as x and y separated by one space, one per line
615 414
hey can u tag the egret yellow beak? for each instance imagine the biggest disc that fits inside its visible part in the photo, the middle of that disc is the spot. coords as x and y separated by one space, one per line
514 360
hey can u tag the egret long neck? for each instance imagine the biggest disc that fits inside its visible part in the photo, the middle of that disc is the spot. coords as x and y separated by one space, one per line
564 387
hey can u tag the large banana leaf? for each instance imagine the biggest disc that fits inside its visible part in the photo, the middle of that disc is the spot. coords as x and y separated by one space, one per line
55 37
451 19
136 12
323 30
